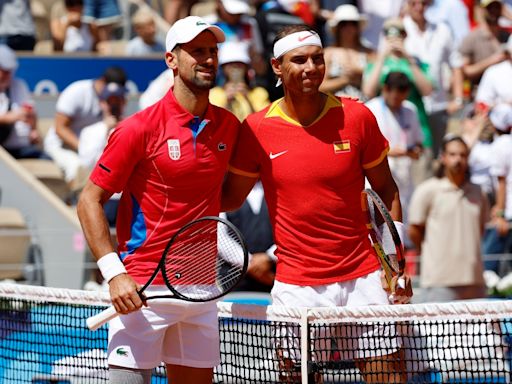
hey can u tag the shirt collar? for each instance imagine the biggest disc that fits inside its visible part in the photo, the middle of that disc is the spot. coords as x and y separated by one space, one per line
180 114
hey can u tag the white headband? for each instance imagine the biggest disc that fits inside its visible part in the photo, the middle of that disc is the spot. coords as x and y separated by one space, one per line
295 40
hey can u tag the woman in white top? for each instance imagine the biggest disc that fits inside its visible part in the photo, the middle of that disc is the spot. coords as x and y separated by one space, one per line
345 62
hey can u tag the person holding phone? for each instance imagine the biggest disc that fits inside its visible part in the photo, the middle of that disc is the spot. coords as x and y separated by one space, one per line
237 94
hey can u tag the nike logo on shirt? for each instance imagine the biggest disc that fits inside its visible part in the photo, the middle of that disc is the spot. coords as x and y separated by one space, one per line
274 155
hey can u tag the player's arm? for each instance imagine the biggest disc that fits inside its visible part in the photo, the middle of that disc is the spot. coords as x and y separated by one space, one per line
64 131
235 190
123 290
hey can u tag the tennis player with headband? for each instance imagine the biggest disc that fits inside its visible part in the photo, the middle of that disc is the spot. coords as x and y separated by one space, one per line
312 152
169 161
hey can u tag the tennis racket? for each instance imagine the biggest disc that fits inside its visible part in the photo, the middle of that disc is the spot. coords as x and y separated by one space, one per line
383 235
203 261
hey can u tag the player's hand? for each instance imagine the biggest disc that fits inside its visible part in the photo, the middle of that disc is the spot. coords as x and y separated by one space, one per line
124 294
261 268
400 291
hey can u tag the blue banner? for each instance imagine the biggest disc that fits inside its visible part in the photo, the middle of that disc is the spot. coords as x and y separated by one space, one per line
51 74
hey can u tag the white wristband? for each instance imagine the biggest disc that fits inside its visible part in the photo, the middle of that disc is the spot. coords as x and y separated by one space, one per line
400 229
110 266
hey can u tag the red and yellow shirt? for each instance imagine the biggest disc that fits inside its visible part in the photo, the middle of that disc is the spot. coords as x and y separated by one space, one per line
313 178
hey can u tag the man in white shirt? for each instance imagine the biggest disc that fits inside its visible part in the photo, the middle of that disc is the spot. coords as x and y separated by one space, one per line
18 131
77 107
498 239
399 123
433 44
496 83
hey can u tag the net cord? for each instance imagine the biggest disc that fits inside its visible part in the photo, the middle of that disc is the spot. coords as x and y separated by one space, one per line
479 309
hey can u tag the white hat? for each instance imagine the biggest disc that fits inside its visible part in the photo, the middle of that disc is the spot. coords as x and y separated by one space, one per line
186 29
234 52
8 60
236 7
501 117
346 12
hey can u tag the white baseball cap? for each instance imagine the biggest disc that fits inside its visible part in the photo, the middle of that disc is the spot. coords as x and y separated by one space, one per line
501 117
8 60
187 29
234 52
236 7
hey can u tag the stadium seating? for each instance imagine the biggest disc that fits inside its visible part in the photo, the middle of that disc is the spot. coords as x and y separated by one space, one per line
14 243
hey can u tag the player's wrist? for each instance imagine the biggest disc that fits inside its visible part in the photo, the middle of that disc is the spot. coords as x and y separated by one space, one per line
111 266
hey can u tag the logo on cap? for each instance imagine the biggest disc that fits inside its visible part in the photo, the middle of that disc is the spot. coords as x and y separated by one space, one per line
200 23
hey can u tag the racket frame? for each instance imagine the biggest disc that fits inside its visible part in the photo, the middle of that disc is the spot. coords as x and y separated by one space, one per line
384 259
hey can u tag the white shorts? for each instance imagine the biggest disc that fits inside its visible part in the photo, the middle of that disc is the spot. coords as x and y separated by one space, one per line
168 330
350 342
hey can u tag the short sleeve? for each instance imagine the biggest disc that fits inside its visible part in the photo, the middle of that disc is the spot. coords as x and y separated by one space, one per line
375 146
125 149
246 157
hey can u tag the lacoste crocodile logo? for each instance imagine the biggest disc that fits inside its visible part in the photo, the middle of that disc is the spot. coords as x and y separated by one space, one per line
121 351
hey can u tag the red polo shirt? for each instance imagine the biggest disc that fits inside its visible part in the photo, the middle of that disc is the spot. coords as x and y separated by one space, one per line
313 177
169 166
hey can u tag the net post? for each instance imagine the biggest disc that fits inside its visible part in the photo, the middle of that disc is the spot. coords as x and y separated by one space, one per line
305 345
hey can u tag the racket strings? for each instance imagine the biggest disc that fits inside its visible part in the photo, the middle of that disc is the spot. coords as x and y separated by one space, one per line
205 261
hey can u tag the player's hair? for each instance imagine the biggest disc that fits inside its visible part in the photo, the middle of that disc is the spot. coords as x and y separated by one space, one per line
397 80
114 75
450 138
289 29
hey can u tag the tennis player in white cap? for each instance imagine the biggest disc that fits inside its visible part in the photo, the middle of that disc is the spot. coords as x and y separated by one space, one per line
169 161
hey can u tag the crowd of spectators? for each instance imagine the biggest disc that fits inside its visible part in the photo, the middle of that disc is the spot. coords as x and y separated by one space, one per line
424 67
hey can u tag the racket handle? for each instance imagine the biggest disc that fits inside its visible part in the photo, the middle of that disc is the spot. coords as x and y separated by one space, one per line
96 321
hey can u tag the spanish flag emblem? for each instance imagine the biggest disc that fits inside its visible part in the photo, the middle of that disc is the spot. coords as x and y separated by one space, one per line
341 146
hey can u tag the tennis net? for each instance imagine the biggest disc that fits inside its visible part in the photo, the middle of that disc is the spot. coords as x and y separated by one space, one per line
44 339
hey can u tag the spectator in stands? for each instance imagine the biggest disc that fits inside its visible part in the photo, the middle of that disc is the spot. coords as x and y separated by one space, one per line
253 221
77 107
237 94
157 89
399 123
447 215
453 13
18 119
234 18
69 33
106 14
347 59
17 28
178 9
145 43
93 138
482 47
498 239
324 11
496 84
378 11
393 57
433 45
